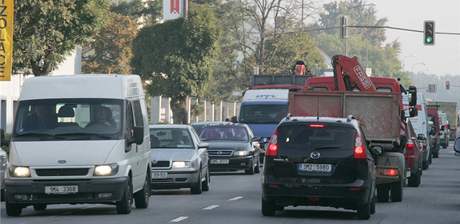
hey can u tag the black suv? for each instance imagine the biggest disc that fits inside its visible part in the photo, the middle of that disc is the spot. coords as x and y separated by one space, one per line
314 161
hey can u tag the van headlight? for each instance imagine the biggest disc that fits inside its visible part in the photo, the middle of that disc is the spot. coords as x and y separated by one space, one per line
106 170
241 153
181 164
20 171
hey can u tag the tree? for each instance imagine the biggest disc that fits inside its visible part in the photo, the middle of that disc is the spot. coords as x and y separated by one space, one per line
111 50
46 31
143 12
177 56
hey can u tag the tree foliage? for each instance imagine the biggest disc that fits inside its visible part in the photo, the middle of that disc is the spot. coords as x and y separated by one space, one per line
143 12
111 50
46 31
177 56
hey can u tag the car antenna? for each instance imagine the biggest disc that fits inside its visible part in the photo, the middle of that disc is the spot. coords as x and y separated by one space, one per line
317 108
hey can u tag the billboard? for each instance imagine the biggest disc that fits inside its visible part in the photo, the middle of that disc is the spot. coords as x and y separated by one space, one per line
174 9
6 39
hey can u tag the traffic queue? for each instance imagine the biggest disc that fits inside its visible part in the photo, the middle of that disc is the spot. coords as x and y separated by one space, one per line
346 141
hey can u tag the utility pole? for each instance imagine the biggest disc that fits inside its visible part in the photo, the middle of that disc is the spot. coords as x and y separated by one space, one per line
344 32
302 13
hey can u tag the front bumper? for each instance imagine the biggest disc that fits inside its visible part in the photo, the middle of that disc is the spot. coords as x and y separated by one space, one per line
175 179
104 191
235 163
335 195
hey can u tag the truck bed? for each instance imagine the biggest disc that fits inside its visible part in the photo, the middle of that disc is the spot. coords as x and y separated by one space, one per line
378 112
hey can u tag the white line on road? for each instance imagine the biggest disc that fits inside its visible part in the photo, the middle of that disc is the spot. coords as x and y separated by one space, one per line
178 219
236 198
211 207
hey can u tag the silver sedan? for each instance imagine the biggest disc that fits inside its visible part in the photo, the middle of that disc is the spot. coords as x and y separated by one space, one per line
179 159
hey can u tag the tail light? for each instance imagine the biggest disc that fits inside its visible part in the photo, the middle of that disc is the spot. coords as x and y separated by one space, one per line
272 149
359 151
316 125
410 146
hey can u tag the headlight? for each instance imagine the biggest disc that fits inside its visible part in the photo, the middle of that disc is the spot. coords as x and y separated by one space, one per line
241 153
20 171
181 164
106 170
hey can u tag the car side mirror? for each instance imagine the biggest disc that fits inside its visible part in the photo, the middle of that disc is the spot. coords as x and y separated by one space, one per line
413 99
203 145
138 137
457 147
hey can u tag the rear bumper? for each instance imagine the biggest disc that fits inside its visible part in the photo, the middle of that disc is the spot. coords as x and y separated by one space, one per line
102 191
335 195
235 164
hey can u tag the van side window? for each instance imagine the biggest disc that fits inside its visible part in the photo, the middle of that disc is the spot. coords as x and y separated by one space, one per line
138 118
129 119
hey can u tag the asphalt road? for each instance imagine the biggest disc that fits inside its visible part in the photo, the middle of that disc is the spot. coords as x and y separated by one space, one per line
235 198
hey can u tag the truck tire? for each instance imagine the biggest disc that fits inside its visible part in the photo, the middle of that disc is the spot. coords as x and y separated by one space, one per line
415 180
383 193
142 197
268 208
13 210
397 191
126 202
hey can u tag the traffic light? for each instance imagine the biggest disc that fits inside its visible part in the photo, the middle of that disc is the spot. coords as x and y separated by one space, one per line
447 85
343 27
428 33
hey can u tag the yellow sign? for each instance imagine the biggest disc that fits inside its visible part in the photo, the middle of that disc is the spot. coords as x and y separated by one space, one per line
6 39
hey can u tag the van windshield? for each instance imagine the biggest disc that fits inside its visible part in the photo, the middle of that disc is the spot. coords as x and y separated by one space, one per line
69 119
263 113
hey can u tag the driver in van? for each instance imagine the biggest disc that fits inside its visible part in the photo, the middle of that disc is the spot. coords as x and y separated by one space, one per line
102 117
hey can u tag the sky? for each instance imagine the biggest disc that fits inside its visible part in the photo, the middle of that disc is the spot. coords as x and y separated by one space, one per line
442 58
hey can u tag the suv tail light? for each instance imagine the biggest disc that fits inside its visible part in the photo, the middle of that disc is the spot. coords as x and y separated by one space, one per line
359 151
410 146
272 149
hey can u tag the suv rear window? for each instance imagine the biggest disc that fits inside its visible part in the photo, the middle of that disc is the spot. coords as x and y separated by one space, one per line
301 137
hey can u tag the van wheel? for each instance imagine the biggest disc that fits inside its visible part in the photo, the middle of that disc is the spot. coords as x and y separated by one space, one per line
205 184
364 211
197 188
268 208
13 209
124 205
383 193
397 191
40 207
415 180
142 197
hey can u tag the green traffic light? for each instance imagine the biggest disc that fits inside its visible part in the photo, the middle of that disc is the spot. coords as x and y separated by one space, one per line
429 40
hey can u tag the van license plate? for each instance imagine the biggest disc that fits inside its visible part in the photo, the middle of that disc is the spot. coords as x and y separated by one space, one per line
158 175
220 161
70 189
309 167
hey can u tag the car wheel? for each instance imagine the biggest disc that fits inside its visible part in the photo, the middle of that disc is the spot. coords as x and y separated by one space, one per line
142 197
364 211
197 188
40 207
250 170
383 193
435 154
430 159
205 186
415 180
257 169
126 202
397 191
13 210
373 205
268 208
426 164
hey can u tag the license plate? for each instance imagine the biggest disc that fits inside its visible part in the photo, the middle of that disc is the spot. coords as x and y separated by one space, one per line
309 167
159 175
220 161
70 189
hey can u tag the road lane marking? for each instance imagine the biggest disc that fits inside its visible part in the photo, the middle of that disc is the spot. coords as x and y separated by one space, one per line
211 207
178 219
235 198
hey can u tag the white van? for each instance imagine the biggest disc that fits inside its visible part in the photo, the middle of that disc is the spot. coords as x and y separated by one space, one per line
79 139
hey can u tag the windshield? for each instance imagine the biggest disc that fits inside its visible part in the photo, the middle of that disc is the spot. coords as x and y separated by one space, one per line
224 133
263 113
68 119
171 138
